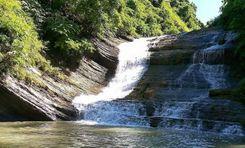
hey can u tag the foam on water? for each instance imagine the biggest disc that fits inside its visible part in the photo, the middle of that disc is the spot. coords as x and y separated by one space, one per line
106 108
115 113
132 65
233 130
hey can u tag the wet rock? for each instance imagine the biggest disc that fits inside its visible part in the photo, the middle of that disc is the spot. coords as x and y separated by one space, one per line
202 125
228 94
171 57
220 93
207 46
171 49
106 54
189 41
126 38
181 72
155 121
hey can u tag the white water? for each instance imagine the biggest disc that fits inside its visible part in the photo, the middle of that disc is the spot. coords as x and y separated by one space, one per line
214 74
133 58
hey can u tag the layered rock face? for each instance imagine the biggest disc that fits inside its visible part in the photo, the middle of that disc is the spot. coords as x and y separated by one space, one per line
172 55
175 89
53 101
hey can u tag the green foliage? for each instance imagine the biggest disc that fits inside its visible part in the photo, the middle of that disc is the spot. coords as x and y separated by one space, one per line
18 32
233 18
232 15
142 17
1 57
173 20
63 35
66 27
139 17
89 14
61 26
22 30
126 17
187 12
34 10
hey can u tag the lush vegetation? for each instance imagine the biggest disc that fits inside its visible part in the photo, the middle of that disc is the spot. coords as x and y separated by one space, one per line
19 42
32 30
233 18
126 17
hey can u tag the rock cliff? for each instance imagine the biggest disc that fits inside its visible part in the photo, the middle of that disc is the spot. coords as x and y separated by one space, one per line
182 70
173 53
53 101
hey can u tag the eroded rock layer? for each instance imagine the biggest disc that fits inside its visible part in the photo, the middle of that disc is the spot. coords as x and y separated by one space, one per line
175 89
53 100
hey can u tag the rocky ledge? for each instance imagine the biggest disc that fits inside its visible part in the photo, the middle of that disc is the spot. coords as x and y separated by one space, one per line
53 101
182 70
174 53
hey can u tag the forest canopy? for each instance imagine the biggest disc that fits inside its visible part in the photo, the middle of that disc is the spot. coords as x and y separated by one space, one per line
32 29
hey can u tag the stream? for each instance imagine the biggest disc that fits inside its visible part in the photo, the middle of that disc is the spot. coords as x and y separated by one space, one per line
184 104
75 134
176 119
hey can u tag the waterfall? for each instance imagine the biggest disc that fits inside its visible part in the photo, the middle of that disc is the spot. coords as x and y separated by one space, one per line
207 71
184 105
204 68
133 58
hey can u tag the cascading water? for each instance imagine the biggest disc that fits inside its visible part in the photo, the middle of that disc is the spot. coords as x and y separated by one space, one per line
100 108
183 105
206 72
215 75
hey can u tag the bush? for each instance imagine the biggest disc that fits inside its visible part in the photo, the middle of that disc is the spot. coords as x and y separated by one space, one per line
18 32
63 35
67 26
131 17
187 12
233 18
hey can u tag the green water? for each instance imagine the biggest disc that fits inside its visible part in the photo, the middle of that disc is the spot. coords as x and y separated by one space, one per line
74 134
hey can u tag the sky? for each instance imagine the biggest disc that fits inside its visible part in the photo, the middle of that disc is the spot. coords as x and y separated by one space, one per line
207 9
